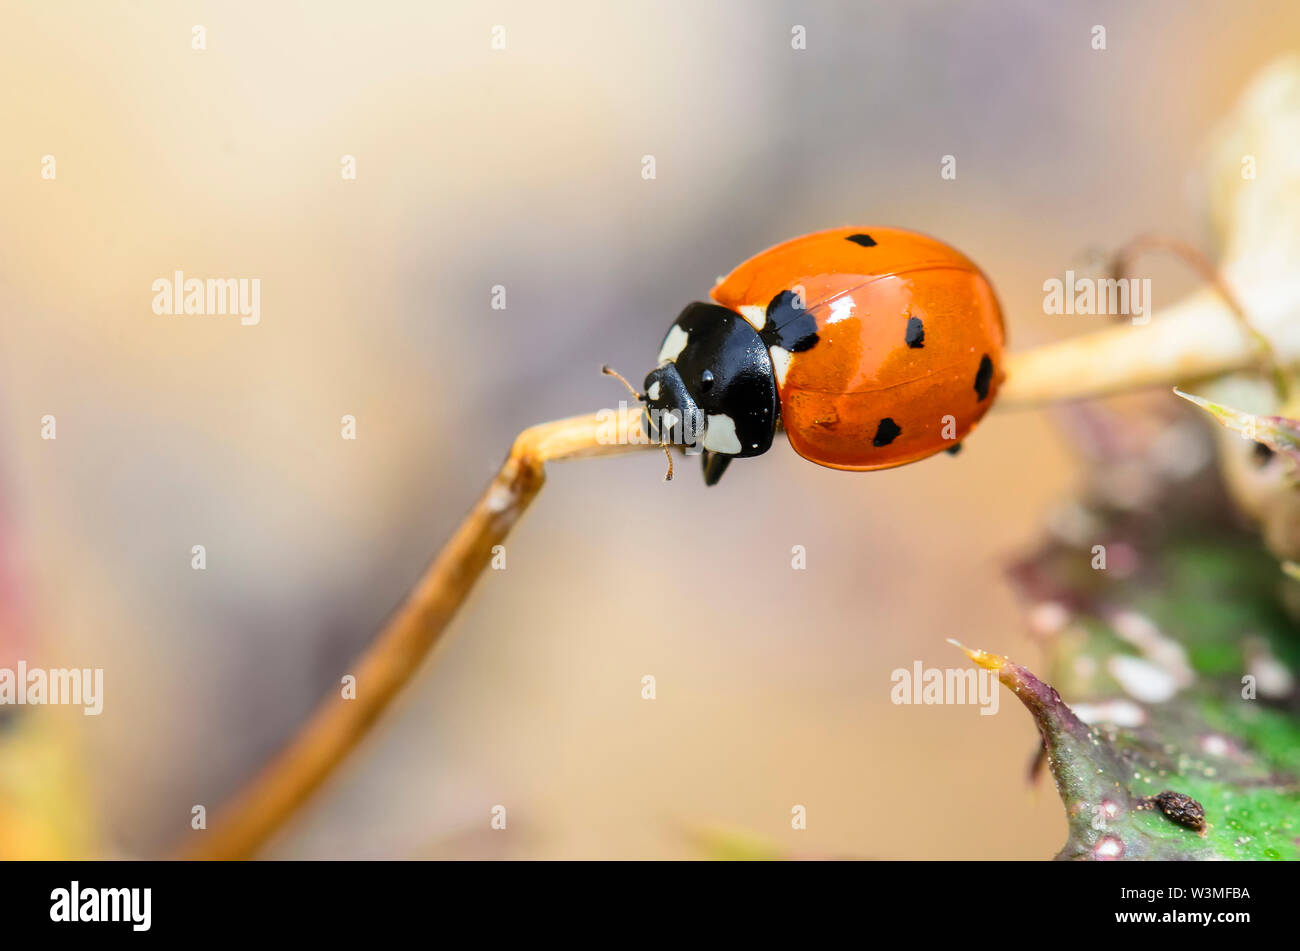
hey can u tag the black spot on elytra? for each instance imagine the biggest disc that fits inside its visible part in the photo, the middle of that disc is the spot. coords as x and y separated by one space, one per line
886 433
789 325
915 336
953 450
863 239
983 377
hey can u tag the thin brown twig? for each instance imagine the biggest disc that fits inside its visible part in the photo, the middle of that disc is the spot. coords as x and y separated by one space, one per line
1122 262
1092 365
337 724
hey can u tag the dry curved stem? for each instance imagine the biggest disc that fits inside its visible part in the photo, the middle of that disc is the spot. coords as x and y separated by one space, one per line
1123 260
1197 338
336 726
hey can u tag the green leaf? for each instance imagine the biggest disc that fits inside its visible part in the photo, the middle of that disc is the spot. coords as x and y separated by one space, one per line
1178 663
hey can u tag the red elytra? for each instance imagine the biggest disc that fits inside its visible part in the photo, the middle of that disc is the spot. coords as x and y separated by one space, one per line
909 350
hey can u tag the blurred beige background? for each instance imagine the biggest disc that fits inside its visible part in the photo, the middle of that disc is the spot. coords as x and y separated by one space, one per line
522 168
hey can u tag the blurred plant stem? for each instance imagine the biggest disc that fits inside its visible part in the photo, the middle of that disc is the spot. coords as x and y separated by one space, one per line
336 726
1122 264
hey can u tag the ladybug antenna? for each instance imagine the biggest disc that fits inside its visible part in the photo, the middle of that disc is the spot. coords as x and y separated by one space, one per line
668 477
610 371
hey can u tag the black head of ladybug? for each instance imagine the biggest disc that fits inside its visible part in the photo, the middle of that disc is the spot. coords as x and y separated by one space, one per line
714 391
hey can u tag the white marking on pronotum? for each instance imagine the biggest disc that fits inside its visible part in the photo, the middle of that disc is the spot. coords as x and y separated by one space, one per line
756 315
653 392
780 363
674 344
720 435
841 309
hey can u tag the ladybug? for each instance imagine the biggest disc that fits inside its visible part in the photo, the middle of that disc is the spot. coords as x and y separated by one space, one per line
872 347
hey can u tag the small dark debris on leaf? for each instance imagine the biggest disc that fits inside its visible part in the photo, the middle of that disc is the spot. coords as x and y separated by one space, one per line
1180 808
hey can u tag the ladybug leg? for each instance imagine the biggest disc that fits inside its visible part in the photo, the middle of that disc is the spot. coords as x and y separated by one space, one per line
953 449
715 463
